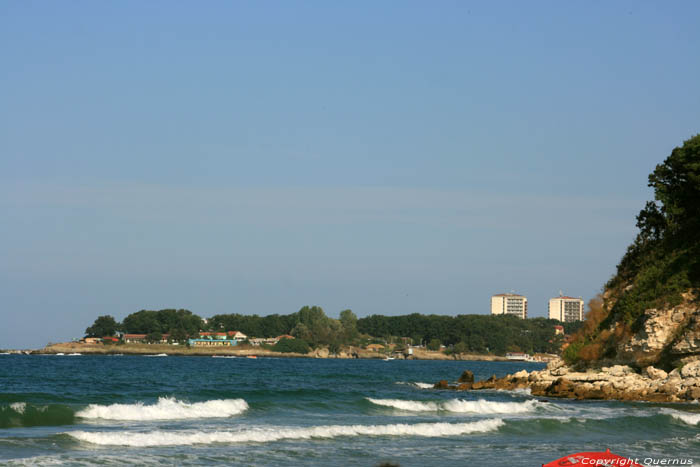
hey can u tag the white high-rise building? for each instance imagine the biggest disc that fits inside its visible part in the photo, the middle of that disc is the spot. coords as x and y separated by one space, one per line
509 304
566 309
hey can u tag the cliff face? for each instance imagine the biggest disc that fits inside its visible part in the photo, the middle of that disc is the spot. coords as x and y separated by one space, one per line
666 335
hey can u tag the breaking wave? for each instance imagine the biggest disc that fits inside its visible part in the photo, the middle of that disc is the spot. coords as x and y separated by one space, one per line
269 434
22 414
417 385
166 408
424 385
689 418
480 406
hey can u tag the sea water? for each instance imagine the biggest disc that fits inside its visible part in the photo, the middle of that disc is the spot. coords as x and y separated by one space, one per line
117 410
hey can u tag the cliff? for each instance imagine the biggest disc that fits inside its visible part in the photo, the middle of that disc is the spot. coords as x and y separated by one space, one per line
649 312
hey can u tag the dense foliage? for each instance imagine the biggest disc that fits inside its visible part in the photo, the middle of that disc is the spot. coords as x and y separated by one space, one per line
291 345
660 265
310 324
178 323
312 328
472 333
103 326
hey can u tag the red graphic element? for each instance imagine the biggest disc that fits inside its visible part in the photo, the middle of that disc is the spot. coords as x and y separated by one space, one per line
597 459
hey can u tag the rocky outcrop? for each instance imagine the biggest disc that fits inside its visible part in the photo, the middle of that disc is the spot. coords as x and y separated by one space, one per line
615 382
674 331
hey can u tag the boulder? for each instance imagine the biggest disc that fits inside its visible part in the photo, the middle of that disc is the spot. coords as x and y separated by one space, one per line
562 387
521 374
692 393
654 373
691 370
467 377
442 384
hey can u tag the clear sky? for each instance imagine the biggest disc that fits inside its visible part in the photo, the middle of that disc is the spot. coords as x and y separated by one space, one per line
389 157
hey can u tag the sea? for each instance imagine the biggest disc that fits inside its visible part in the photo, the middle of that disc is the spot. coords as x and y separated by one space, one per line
168 410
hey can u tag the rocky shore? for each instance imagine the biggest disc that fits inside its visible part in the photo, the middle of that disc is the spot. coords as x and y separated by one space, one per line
619 382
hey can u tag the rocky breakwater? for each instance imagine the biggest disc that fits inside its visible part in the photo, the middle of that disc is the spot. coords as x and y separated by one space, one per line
619 382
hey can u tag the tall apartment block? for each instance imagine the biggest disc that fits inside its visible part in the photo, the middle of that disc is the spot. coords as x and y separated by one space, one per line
566 309
509 304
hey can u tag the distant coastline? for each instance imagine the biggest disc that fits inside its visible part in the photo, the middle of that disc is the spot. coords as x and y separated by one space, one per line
350 352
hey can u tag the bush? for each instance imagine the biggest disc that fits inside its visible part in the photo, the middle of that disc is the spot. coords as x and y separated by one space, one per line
291 345
571 353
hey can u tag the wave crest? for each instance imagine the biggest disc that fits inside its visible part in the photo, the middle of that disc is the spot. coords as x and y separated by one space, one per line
167 408
22 414
480 406
689 418
269 434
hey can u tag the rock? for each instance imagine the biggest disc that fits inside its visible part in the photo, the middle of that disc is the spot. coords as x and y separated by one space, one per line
521 374
467 377
692 393
562 387
555 363
464 386
691 370
618 370
654 373
442 384
689 340
321 352
660 329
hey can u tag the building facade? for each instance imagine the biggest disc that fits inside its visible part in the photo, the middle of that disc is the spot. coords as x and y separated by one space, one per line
509 304
566 309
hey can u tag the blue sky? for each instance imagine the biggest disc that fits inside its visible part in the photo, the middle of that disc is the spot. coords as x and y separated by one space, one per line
388 157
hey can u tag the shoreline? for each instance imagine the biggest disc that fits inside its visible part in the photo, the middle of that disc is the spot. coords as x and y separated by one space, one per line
618 382
171 350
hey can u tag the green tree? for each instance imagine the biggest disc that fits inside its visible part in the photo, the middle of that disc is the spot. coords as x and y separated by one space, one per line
434 344
103 326
348 321
291 345
154 337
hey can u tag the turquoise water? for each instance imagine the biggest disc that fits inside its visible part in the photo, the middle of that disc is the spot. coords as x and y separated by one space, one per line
116 410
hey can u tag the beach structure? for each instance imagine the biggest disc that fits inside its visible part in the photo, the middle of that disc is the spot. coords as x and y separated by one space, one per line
212 342
134 338
237 335
566 309
509 304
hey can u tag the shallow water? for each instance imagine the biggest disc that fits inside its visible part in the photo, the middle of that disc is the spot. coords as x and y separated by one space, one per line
115 410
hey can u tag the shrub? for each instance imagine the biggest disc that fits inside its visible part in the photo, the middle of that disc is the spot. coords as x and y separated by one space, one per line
291 345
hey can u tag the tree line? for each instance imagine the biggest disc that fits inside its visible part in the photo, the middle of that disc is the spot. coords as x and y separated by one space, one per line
463 333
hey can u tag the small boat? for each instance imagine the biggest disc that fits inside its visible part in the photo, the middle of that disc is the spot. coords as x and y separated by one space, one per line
386 359
593 458
157 355
74 354
60 353
251 356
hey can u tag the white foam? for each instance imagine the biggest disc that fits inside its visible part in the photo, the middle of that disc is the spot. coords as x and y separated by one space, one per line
689 418
74 354
270 434
424 385
480 406
165 409
19 407
411 406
